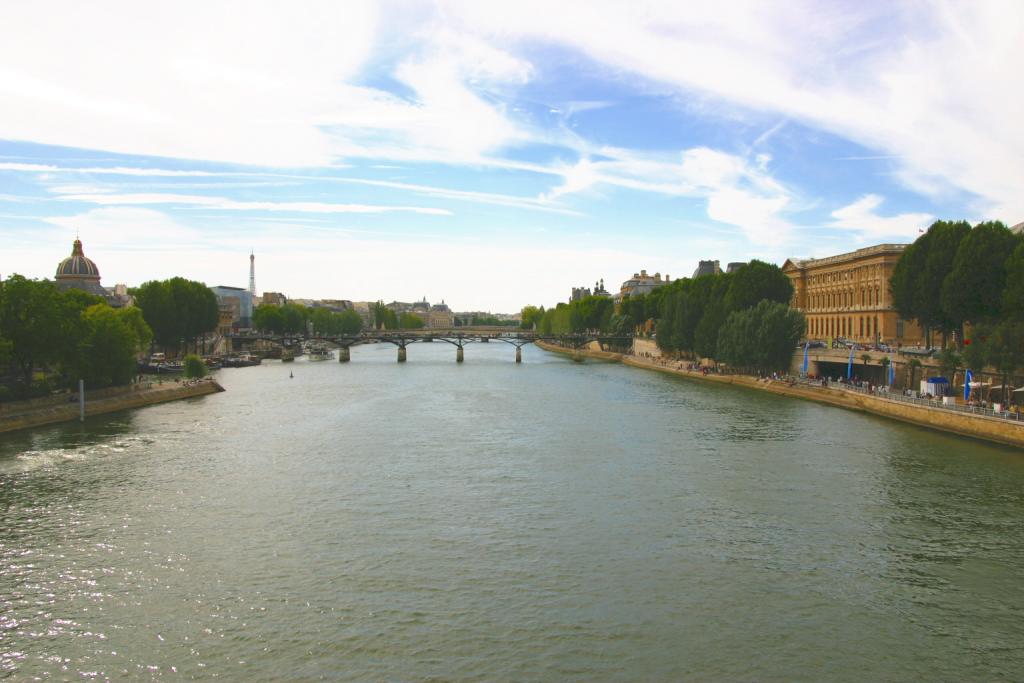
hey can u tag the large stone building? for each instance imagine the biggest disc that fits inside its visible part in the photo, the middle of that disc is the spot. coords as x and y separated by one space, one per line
579 293
707 268
847 296
440 317
641 283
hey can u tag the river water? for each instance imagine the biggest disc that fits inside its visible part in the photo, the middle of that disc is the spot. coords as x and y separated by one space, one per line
550 521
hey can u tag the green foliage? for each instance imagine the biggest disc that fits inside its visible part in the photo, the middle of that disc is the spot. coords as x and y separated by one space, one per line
1013 292
177 310
492 321
38 322
954 274
106 355
268 318
384 317
632 311
973 290
194 367
760 338
73 331
755 282
294 319
918 278
590 313
349 322
531 316
949 362
913 365
410 321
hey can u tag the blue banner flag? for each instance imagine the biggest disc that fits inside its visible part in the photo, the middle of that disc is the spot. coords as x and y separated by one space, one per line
806 346
849 365
892 370
967 385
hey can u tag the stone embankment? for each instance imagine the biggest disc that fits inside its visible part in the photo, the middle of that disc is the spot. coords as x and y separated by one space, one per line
26 414
965 424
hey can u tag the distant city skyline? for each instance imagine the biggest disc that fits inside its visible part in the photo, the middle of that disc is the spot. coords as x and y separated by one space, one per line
495 155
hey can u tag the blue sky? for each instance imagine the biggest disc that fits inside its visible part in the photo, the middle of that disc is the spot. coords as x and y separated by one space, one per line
495 154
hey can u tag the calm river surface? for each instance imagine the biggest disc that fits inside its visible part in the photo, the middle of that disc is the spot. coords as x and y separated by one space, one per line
493 522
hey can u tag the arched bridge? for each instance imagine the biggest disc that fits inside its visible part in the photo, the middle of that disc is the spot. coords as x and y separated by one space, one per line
458 338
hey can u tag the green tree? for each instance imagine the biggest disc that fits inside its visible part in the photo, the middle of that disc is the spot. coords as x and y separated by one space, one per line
1013 292
105 353
160 312
912 366
194 367
410 321
949 362
295 317
32 321
755 282
268 318
917 280
384 317
179 311
530 316
349 322
973 290
761 338
1006 355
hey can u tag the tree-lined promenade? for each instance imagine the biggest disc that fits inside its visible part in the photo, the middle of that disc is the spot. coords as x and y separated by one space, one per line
967 285
741 318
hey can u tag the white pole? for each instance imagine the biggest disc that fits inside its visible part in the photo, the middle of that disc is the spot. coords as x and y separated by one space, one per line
81 400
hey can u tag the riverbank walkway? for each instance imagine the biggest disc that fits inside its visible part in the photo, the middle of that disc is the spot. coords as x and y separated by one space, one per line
65 408
972 421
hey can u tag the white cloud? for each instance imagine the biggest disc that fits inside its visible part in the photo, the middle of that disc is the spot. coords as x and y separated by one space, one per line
231 81
737 192
234 205
935 84
862 218
119 228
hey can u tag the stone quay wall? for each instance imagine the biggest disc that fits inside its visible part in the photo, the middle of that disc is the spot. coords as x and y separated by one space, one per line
27 414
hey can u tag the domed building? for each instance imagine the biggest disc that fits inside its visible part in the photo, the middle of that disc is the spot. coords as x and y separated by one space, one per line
80 272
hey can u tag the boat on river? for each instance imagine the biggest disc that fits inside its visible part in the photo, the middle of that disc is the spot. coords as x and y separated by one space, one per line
317 353
244 360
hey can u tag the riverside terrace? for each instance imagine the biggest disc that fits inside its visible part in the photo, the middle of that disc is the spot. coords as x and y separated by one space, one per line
457 337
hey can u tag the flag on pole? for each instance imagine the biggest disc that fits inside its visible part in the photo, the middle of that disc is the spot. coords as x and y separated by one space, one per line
967 385
806 346
892 371
849 365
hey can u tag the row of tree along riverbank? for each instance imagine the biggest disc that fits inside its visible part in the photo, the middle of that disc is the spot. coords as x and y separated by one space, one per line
741 318
965 424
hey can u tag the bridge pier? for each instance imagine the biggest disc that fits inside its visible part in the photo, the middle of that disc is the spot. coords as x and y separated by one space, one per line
519 354
344 355
401 354
458 355
577 357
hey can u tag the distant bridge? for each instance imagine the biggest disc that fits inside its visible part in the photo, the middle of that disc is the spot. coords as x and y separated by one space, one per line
457 337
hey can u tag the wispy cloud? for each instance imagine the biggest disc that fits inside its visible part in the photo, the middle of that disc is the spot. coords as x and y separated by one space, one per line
227 204
862 218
